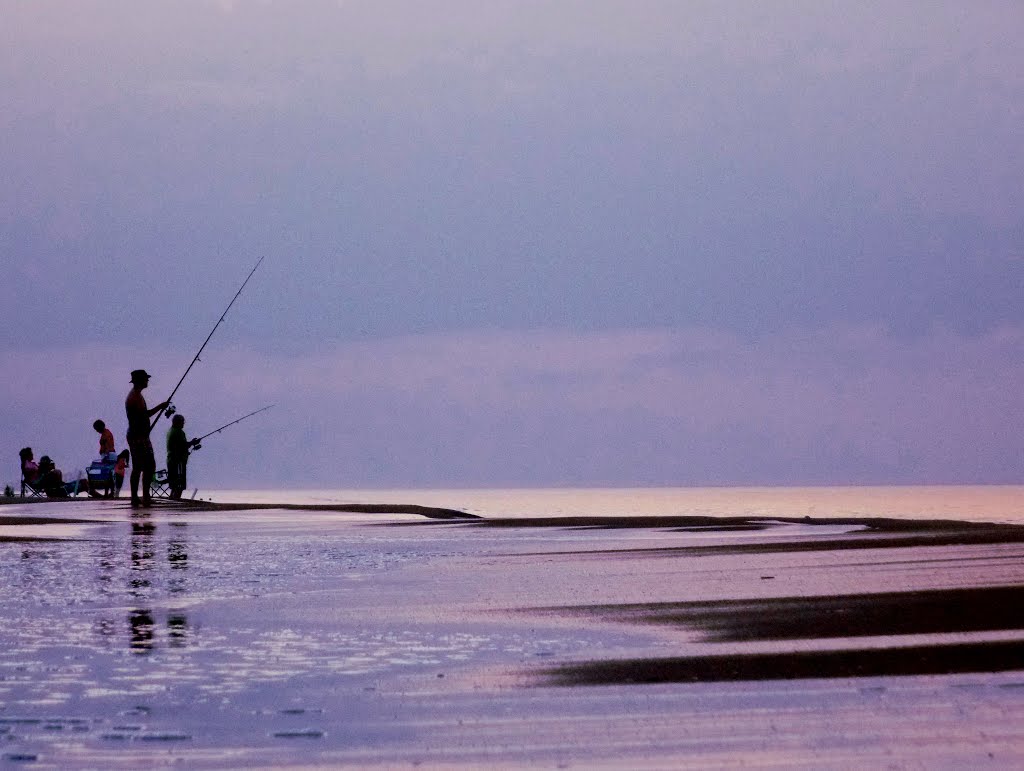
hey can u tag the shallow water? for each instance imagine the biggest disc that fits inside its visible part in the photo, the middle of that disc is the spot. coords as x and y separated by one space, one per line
234 638
209 635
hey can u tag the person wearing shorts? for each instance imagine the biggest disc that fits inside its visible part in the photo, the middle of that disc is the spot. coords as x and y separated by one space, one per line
141 449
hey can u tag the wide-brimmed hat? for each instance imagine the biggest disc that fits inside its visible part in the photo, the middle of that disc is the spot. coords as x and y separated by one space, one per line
139 374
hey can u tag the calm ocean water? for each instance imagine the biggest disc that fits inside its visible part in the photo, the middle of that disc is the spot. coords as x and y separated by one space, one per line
973 503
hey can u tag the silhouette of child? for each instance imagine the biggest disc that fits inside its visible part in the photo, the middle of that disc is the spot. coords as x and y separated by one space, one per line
119 468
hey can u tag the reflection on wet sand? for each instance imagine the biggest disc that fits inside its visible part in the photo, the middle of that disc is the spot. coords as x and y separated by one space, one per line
143 627
142 552
177 558
177 630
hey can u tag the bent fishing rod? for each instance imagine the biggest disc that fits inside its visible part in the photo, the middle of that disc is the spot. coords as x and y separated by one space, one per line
170 410
195 442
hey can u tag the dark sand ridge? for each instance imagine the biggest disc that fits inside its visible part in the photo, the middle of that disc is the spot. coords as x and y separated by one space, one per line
975 609
795 665
430 512
194 506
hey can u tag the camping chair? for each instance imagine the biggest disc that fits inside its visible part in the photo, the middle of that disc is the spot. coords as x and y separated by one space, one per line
28 490
38 490
101 474
159 488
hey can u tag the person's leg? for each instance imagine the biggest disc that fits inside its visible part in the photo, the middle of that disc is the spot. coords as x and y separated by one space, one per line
136 454
172 476
179 483
53 483
136 473
149 469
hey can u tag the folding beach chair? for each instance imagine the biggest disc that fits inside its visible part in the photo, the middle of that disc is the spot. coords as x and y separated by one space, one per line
62 490
101 474
159 487
28 490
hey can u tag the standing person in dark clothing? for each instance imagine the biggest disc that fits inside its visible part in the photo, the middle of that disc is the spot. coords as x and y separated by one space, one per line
138 414
178 448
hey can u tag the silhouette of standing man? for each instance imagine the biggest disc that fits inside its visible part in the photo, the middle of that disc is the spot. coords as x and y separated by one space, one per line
143 461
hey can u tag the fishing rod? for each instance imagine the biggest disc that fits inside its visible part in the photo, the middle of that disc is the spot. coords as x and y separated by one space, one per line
195 442
170 409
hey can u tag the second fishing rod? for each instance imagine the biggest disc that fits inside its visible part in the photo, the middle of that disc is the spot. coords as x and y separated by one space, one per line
170 408
196 442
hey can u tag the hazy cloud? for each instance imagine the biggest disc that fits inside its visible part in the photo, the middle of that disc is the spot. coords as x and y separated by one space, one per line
664 407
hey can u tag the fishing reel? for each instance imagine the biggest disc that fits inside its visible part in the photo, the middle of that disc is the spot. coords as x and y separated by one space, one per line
171 409
195 445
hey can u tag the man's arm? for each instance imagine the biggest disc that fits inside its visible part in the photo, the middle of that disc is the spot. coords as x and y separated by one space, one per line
160 407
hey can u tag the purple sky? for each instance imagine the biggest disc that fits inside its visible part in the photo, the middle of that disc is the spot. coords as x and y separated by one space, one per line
521 243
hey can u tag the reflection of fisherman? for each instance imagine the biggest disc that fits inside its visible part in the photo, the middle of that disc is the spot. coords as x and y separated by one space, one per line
143 462
178 448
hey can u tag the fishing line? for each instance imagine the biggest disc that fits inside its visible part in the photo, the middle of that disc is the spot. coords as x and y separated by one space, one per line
195 442
170 408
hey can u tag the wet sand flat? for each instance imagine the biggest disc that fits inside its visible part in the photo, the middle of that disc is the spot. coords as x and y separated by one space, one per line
226 636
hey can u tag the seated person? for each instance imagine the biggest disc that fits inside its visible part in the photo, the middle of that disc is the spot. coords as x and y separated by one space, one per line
47 477
29 468
51 478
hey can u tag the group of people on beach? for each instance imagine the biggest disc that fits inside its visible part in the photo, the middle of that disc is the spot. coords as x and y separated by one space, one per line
44 476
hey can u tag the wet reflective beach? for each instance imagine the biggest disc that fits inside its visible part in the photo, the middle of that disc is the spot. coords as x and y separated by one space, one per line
316 637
